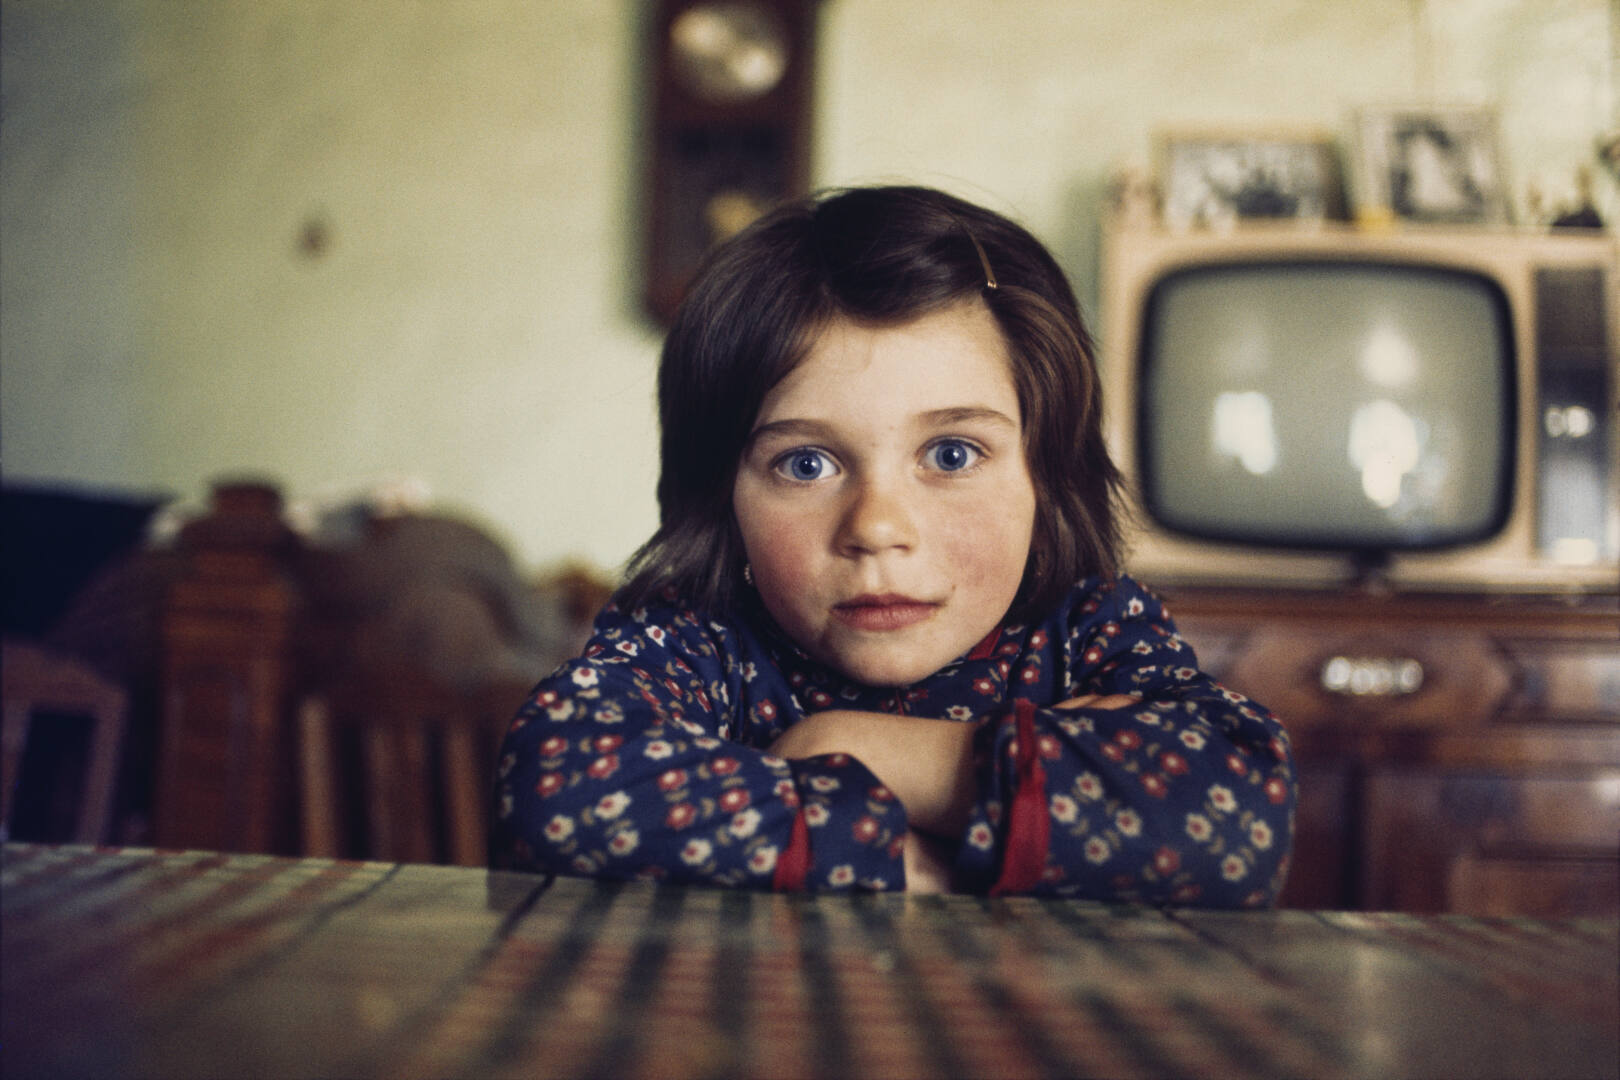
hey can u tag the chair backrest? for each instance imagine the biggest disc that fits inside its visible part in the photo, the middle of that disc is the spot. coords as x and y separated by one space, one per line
345 696
396 767
41 687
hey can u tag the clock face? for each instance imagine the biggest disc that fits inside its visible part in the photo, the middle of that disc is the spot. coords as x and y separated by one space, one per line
725 53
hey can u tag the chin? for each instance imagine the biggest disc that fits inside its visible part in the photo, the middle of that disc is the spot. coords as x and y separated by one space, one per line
885 671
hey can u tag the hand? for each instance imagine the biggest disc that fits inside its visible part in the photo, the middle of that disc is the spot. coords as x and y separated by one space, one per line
1100 701
927 764
928 861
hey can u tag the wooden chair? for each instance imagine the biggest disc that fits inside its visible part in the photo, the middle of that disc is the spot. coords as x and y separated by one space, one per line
40 687
346 698
396 767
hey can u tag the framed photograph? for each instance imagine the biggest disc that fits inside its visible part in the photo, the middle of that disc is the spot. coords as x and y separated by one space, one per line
1430 164
1213 179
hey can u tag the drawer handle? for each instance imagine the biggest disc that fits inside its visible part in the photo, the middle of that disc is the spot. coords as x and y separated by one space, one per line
1372 676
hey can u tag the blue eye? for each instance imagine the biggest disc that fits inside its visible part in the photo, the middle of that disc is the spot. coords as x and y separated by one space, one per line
805 465
952 455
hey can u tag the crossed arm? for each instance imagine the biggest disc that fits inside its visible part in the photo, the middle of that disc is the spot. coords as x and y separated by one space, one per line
926 763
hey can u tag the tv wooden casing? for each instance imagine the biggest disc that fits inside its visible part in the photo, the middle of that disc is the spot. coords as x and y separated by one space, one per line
1136 257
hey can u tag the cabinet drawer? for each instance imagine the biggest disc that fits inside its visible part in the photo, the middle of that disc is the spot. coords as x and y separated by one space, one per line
1570 681
1312 675
1550 888
1405 679
1440 841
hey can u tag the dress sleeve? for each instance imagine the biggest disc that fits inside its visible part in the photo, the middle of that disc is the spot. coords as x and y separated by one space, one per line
626 763
1187 798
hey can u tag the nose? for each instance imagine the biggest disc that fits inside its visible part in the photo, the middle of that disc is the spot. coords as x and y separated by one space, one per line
877 518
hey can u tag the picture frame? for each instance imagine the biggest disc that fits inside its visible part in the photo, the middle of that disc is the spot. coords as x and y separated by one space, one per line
1430 164
1216 178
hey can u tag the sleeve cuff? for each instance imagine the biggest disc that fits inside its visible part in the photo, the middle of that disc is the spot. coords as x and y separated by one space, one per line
793 866
848 830
1028 829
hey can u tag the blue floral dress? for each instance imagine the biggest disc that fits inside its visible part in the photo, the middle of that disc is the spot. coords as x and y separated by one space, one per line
648 757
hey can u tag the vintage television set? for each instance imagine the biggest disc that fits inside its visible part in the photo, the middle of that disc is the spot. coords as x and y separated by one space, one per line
1317 405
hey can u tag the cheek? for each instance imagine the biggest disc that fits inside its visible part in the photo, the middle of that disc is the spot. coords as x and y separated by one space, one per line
779 548
990 543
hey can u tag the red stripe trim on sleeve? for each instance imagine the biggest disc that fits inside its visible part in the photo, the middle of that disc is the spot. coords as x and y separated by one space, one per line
793 865
1028 826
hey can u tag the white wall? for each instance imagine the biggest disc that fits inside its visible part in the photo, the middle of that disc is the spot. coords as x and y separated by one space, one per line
473 320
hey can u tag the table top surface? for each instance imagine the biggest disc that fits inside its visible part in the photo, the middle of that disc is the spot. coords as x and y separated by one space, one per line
140 963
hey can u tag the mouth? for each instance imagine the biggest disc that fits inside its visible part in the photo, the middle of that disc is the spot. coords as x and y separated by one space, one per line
888 611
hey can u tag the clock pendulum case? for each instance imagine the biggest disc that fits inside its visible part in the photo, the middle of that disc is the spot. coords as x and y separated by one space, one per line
730 130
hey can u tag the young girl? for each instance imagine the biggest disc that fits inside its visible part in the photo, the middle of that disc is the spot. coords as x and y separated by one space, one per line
879 640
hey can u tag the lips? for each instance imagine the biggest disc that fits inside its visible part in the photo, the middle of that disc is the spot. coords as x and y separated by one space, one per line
888 611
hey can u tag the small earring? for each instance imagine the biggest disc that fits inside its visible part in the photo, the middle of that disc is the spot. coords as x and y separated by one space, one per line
748 574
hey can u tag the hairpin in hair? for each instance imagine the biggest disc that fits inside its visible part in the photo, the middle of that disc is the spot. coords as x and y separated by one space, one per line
984 260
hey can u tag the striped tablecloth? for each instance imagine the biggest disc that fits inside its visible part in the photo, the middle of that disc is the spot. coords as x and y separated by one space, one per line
175 964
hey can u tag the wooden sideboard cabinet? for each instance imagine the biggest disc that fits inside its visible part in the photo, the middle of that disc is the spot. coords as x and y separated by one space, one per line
1455 753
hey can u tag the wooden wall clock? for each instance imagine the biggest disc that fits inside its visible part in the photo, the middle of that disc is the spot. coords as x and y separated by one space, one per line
730 127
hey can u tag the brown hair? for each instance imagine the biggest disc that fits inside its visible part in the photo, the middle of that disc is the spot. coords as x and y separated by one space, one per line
880 255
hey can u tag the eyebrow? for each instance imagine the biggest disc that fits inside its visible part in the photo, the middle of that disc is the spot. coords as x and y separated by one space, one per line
934 418
968 414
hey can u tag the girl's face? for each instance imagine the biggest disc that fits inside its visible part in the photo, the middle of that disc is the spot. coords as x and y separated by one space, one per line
883 497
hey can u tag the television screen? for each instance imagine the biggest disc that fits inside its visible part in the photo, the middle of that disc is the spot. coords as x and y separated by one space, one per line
1359 406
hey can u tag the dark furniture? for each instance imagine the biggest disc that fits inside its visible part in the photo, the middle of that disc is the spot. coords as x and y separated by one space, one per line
345 697
1457 753
197 964
242 686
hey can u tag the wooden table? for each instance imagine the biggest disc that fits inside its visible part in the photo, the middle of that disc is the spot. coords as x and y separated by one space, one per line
135 963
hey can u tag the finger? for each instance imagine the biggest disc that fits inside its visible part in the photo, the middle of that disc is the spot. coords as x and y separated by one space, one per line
1099 701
